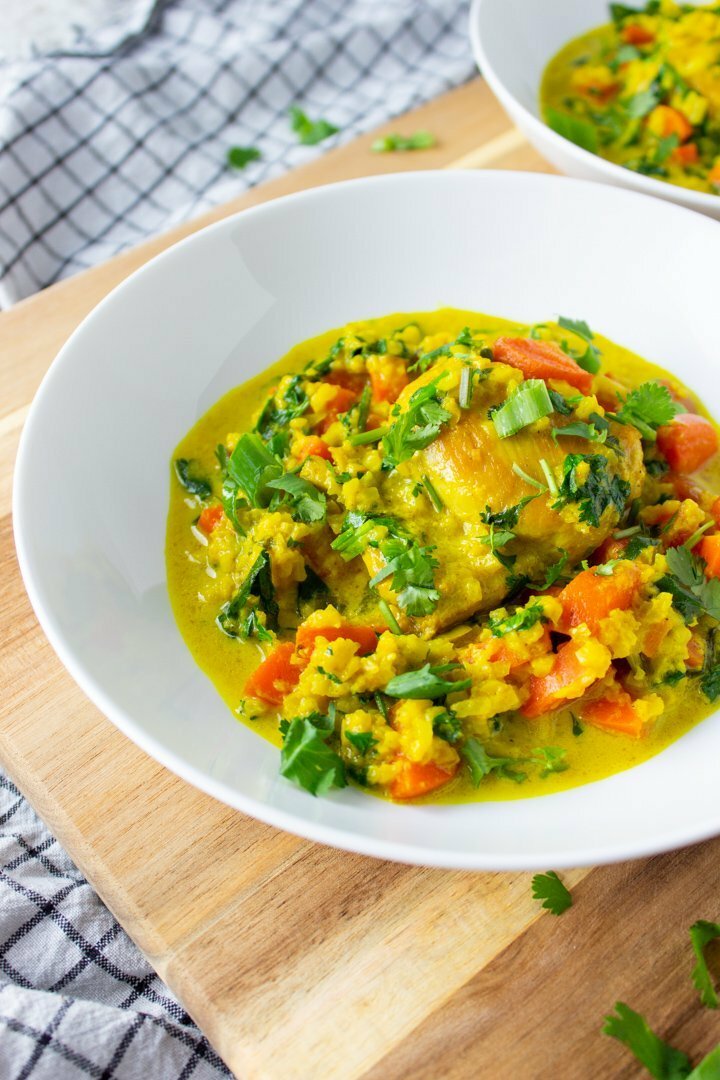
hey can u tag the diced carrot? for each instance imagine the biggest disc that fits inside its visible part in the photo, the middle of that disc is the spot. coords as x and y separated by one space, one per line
635 34
388 377
498 651
340 403
614 714
714 174
715 511
696 653
688 442
350 380
541 360
276 676
655 637
415 780
209 518
546 690
709 549
686 155
365 636
312 446
664 121
591 597
598 89
684 486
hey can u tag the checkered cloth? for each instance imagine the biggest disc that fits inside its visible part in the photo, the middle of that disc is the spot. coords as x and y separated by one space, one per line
124 134
110 131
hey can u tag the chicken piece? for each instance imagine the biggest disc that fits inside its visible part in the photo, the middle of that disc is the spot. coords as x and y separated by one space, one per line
471 469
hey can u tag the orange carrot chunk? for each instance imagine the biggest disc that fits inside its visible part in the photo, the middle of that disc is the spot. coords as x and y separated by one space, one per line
709 548
312 446
664 121
546 690
209 518
275 677
415 780
686 155
688 442
340 403
365 636
614 714
388 377
634 34
541 360
714 174
591 597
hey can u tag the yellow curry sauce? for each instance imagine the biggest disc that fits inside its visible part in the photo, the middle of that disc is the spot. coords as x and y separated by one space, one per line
644 92
487 565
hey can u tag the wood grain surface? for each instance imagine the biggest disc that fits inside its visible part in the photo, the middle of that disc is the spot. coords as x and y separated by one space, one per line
298 961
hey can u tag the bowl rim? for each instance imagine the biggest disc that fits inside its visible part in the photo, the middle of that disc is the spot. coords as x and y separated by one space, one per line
411 853
699 200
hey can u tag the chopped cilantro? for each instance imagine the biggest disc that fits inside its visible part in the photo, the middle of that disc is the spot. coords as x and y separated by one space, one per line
693 595
642 103
577 728
274 418
481 764
448 726
580 132
599 490
306 759
310 132
196 485
240 156
647 408
258 582
701 934
551 759
411 567
555 571
419 140
560 404
417 427
363 741
507 518
549 888
664 1062
426 682
523 619
305 502
638 544
590 359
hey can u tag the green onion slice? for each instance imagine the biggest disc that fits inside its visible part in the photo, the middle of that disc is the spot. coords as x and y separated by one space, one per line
530 402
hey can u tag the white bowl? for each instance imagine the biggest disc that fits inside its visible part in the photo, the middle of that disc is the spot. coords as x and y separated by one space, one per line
513 40
92 478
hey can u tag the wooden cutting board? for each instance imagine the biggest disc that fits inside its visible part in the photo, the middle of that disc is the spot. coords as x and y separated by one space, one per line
298 961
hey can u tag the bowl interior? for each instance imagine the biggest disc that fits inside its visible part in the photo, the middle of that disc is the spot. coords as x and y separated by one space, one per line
520 37
92 478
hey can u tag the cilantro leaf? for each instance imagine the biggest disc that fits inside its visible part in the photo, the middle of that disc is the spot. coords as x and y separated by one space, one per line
481 764
642 103
240 156
523 619
555 571
709 1067
701 934
258 582
582 430
363 741
580 132
411 567
305 502
310 132
196 485
507 518
448 726
560 404
599 490
647 408
306 759
692 594
274 418
417 427
664 1062
550 889
426 682
419 140
638 544
590 359
551 759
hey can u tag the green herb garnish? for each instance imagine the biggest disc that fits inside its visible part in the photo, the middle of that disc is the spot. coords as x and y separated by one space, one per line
523 619
580 132
693 595
550 889
306 759
419 140
411 567
590 359
598 491
305 502
426 682
481 764
196 485
240 156
417 427
647 408
530 402
701 934
664 1062
363 741
310 132
257 583
252 467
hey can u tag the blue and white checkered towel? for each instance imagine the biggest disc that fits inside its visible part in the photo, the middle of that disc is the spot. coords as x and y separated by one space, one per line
115 124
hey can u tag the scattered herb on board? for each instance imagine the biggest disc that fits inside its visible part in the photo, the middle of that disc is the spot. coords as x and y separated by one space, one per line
419 140
550 889
240 156
310 132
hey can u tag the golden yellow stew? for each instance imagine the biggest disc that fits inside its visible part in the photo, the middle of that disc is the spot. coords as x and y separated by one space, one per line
445 556
644 92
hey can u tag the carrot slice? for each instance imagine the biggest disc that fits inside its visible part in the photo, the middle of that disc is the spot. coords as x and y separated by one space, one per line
665 121
415 780
686 155
709 548
546 690
614 714
275 677
634 34
541 360
312 446
209 518
688 442
340 403
388 377
714 174
365 636
591 597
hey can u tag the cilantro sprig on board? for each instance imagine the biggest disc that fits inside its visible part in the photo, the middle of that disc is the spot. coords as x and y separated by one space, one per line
555 896
701 934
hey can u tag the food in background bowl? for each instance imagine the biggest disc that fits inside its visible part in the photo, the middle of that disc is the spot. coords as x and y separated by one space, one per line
644 92
444 553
